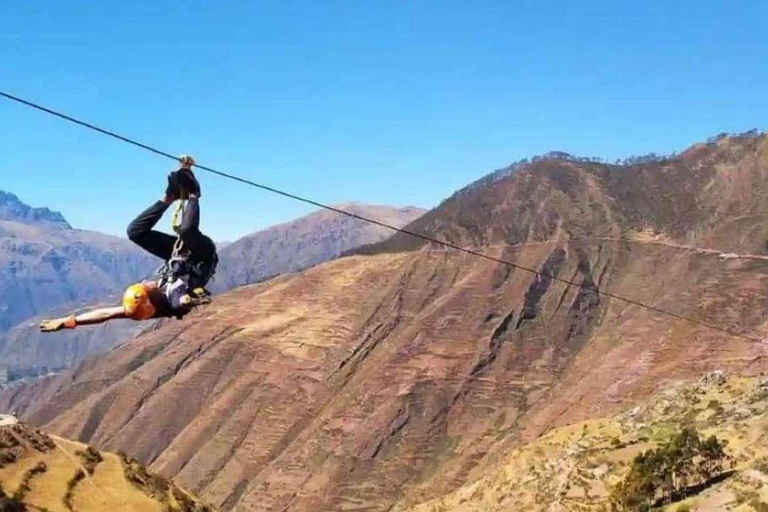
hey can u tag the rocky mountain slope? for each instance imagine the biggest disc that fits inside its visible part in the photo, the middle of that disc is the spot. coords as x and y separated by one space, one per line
51 269
318 237
47 266
44 262
574 468
12 209
26 352
42 472
399 375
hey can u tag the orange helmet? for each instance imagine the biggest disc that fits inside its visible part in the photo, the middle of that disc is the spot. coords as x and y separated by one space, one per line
136 302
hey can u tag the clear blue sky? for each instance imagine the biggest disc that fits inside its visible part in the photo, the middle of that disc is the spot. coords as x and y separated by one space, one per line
375 101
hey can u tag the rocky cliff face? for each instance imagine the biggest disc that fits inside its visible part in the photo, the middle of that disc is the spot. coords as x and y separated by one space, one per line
397 376
300 244
11 208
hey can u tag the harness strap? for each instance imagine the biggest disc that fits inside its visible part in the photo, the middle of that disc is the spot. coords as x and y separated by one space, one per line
166 272
176 220
178 215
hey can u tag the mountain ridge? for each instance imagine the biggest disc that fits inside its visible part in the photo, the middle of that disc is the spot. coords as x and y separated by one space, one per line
12 208
398 376
83 268
304 242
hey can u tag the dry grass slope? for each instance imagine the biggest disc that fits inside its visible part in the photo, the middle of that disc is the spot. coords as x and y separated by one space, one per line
573 468
46 473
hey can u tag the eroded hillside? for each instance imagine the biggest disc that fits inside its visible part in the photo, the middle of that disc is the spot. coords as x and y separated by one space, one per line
574 468
315 238
41 472
47 267
398 377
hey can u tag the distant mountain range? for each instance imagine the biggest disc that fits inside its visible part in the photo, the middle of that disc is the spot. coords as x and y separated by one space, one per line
379 381
49 268
45 264
12 209
318 237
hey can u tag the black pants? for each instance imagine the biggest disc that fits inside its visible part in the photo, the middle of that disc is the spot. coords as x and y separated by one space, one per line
199 247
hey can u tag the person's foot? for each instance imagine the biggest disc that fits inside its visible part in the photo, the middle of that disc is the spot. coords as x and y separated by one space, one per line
172 192
188 184
186 162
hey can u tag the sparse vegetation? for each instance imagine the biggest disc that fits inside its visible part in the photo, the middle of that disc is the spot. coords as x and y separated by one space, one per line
671 472
159 488
761 465
91 458
10 504
154 485
24 486
68 497
42 478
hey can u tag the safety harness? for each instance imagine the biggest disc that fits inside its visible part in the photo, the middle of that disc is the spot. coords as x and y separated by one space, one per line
179 277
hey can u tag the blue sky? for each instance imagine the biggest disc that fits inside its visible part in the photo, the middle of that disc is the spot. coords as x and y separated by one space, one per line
375 101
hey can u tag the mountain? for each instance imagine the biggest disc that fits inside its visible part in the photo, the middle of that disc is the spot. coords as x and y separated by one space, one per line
318 237
26 352
51 269
12 209
42 472
394 377
44 262
47 266
576 467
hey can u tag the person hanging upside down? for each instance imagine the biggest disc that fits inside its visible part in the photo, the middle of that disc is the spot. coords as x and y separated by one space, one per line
190 258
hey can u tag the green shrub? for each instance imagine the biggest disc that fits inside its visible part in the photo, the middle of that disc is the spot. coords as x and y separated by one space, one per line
660 474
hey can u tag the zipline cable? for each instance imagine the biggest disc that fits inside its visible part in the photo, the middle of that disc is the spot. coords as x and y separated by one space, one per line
724 330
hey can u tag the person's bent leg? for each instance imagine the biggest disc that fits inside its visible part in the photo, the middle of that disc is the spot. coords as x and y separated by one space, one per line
201 248
190 222
141 233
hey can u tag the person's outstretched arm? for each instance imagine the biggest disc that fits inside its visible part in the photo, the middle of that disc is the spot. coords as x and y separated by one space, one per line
97 316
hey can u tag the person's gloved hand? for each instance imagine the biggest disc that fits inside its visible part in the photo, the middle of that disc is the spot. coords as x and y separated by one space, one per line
187 183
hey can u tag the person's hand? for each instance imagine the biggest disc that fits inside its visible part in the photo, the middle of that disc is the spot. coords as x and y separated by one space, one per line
53 325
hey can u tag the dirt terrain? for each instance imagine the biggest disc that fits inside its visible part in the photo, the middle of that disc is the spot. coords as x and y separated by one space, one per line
47 473
573 468
400 374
